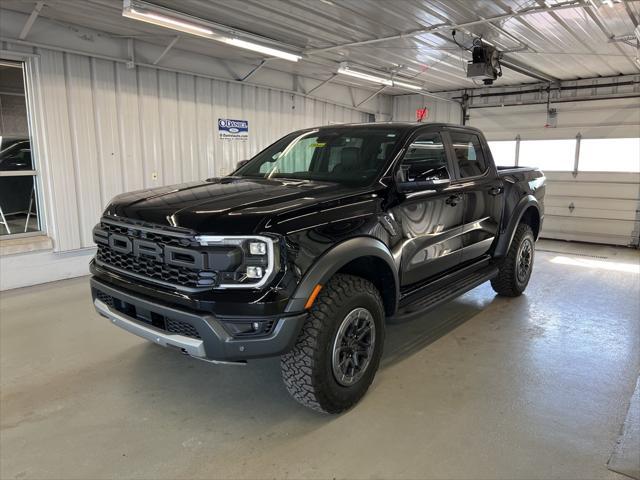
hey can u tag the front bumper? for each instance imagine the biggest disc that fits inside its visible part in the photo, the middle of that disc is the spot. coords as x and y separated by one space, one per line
206 337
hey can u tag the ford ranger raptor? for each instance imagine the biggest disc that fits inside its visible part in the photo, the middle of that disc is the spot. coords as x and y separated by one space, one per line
306 250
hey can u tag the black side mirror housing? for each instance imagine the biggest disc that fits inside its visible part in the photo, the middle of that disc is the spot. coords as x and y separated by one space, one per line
435 184
241 163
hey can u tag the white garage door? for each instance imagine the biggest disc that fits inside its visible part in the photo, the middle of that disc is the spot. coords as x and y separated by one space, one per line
584 203
599 207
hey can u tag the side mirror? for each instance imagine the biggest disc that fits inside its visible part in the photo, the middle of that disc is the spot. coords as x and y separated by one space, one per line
435 184
241 163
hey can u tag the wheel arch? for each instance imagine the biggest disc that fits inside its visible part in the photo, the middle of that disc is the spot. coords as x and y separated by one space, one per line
528 211
366 257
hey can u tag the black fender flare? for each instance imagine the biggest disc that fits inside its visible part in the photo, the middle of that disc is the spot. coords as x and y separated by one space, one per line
504 242
334 259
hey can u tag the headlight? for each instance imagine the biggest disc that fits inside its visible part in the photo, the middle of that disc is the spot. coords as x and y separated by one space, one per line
257 248
254 272
260 260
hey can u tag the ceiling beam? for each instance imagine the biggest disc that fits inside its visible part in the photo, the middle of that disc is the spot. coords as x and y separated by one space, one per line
254 70
322 84
30 21
441 27
524 69
373 95
166 50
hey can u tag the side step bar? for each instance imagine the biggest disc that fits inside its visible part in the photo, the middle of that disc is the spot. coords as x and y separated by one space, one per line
443 293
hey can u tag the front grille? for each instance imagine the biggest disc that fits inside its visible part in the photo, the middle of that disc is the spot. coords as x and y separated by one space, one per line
169 325
149 266
159 236
181 328
104 298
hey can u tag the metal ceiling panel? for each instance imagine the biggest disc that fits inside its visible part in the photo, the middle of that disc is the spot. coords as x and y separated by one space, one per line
568 43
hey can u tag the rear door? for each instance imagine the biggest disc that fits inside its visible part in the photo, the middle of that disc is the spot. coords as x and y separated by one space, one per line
477 179
431 220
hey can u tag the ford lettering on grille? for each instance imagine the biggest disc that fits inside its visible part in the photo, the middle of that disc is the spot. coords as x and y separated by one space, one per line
160 256
180 257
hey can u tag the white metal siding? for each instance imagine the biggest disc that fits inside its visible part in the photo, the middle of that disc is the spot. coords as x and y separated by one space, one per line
405 106
108 129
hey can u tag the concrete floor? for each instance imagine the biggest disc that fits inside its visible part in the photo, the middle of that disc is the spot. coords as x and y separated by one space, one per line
484 387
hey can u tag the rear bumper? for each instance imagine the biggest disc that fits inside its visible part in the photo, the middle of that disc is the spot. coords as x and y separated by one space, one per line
206 338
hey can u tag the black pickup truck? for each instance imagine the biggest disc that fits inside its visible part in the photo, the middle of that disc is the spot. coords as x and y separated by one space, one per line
309 247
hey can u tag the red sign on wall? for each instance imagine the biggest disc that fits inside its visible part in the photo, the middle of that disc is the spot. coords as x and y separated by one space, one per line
422 114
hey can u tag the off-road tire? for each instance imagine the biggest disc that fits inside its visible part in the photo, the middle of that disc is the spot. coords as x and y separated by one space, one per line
307 369
507 283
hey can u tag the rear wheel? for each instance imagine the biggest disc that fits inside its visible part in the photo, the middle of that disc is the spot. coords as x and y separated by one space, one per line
338 350
516 268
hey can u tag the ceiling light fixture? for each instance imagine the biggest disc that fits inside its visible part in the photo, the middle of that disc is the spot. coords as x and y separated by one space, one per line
363 74
163 17
273 52
346 69
403 84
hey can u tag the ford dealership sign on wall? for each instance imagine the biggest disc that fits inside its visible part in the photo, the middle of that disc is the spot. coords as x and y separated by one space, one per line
233 129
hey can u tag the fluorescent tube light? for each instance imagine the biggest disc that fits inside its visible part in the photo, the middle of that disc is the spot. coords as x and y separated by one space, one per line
347 70
163 17
166 21
273 52
412 86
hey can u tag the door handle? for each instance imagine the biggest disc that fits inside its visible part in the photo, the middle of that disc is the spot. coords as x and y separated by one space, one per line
496 191
453 200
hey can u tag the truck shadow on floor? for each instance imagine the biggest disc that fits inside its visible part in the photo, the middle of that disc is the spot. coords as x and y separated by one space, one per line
167 378
420 330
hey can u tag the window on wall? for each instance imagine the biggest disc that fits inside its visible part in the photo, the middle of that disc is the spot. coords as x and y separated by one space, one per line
18 172
610 155
548 154
504 153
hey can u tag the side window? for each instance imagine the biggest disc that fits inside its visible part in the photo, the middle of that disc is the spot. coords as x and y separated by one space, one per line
425 159
468 154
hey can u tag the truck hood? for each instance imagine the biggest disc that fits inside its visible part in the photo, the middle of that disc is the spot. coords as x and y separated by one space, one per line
229 205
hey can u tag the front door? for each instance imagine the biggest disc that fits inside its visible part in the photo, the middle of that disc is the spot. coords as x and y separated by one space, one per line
430 219
482 188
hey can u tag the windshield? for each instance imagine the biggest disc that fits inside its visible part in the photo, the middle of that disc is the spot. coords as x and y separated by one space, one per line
352 156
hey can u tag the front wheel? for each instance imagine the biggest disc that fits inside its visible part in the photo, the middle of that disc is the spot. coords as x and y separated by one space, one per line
338 350
516 268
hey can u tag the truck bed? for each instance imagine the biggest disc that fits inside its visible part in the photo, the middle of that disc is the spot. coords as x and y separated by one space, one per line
514 169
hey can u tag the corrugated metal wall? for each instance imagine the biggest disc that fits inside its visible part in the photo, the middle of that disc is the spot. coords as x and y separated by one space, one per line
106 129
405 106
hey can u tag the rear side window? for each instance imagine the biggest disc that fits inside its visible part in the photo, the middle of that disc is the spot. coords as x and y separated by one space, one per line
468 154
425 159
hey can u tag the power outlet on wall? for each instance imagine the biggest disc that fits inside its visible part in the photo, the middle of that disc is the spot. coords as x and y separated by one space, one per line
154 175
